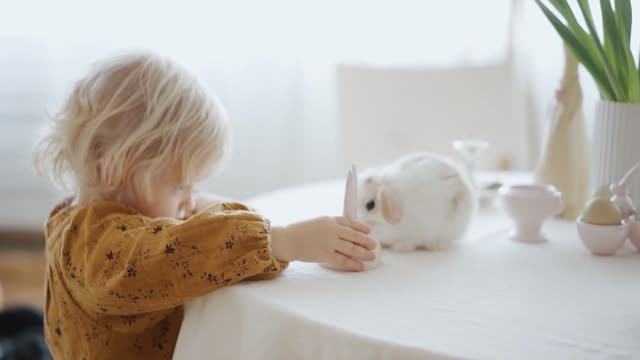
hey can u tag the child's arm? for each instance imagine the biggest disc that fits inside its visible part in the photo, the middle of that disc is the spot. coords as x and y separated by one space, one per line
124 264
333 240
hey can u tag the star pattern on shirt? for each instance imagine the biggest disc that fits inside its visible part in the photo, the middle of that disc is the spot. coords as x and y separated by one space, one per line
169 249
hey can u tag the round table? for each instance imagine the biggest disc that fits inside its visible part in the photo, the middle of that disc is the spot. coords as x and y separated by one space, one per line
486 298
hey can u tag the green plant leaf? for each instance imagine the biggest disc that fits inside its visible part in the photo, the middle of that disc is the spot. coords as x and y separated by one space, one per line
639 70
581 52
631 82
608 69
624 20
623 16
634 83
611 54
565 10
615 46
610 47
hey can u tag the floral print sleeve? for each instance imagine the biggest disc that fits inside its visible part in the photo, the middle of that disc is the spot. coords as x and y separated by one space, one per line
124 263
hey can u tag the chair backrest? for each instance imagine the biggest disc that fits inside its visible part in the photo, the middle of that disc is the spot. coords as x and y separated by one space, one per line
388 112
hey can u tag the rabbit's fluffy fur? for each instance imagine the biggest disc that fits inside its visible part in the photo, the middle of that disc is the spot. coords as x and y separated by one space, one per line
421 200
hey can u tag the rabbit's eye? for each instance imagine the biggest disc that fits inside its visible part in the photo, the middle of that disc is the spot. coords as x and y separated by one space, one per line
370 205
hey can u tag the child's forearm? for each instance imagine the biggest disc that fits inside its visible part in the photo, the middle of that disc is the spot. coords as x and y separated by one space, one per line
281 244
335 240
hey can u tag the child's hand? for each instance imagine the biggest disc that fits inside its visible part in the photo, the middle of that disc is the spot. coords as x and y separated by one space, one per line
335 240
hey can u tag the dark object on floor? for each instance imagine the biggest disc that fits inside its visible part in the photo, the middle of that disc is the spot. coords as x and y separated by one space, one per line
22 335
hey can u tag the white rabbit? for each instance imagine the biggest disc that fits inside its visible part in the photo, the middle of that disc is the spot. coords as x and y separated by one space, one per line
421 200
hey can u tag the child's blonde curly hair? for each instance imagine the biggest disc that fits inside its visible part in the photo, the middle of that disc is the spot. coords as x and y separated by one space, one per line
130 119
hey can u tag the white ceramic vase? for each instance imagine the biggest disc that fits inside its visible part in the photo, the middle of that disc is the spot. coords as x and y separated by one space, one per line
616 144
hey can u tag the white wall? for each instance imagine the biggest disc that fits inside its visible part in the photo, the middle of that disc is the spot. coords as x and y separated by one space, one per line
273 65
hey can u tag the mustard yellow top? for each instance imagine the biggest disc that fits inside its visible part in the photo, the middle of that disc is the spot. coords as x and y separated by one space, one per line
116 280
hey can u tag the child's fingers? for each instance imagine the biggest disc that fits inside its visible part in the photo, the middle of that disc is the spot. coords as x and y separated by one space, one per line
345 262
356 237
355 225
351 249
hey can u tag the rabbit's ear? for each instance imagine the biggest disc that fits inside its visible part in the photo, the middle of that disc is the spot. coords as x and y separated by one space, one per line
391 205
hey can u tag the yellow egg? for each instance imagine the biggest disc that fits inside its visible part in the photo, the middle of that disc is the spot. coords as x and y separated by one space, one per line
601 211
603 192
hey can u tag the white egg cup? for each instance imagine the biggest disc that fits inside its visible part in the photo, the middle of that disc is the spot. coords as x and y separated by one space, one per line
529 206
603 240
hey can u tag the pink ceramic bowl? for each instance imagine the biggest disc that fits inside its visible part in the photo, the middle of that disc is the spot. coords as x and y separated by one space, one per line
634 233
602 239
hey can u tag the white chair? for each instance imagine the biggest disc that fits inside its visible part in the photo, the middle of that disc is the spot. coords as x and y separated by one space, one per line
387 112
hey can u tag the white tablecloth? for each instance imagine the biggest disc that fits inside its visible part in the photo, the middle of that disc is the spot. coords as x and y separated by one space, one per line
488 298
